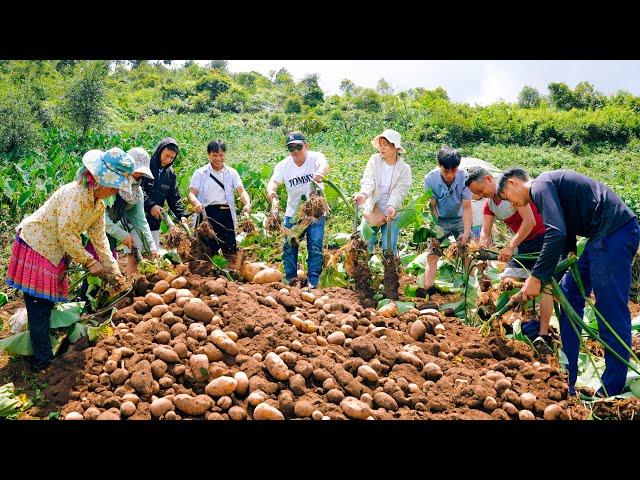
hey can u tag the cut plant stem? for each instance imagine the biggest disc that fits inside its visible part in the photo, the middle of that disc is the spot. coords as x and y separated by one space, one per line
575 271
391 264
574 317
584 347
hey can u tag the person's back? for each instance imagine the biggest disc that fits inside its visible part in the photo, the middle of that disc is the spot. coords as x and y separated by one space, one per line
590 208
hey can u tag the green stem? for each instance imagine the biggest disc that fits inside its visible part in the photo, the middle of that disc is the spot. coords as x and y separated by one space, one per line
574 317
355 218
389 248
584 347
576 275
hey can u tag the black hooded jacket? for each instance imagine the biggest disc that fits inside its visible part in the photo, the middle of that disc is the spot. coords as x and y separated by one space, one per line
158 190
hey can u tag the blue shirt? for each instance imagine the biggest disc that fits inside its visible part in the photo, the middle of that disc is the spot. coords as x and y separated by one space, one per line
448 198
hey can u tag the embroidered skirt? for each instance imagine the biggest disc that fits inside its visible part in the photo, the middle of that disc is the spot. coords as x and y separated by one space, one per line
34 274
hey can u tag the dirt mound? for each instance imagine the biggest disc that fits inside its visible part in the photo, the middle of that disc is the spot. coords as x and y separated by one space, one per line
239 351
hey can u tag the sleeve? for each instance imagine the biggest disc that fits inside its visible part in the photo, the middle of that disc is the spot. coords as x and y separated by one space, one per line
140 224
97 235
114 229
428 182
173 199
401 189
487 210
466 193
368 182
278 173
195 181
69 231
237 181
321 164
556 232
147 189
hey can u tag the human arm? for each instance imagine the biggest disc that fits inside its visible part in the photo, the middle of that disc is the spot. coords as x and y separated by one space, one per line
322 168
548 202
173 200
467 220
97 235
115 230
244 197
141 226
486 237
367 182
528 222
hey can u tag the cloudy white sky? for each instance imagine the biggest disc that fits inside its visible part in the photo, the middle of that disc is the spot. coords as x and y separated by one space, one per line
472 81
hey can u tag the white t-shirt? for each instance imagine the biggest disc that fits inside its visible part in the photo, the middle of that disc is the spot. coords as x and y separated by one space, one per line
297 180
208 189
384 187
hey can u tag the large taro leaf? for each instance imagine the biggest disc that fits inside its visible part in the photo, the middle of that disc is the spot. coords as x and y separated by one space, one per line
18 344
66 314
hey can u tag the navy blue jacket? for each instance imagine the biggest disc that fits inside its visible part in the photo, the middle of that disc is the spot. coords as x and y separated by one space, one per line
572 204
158 190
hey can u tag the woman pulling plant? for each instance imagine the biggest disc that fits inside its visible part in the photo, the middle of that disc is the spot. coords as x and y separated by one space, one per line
385 183
128 209
46 239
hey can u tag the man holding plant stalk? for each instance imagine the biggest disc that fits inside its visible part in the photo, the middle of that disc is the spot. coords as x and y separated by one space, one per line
526 224
297 171
572 204
451 205
211 190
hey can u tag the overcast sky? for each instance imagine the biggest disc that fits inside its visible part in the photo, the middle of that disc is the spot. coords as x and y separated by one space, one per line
472 81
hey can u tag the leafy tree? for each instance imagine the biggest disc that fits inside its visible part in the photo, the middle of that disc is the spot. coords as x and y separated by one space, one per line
84 101
561 96
347 87
384 87
528 97
586 96
283 78
138 63
221 65
19 129
312 94
293 105
368 100
214 83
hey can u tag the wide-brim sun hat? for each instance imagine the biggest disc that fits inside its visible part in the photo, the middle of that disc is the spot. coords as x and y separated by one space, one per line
111 169
141 162
391 136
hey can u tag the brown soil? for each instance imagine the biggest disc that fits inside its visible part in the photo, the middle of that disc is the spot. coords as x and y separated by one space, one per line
178 240
625 409
357 266
273 223
463 356
314 208
248 226
391 265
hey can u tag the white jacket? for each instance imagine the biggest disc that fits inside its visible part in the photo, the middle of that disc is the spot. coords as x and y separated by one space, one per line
400 183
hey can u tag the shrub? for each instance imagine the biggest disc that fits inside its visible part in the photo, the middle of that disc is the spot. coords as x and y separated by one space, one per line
293 105
19 128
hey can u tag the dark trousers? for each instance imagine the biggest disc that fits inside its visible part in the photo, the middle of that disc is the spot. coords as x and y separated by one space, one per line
222 223
39 316
605 269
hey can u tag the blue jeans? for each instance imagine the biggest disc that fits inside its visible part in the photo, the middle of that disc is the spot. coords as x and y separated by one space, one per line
383 233
315 240
605 269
